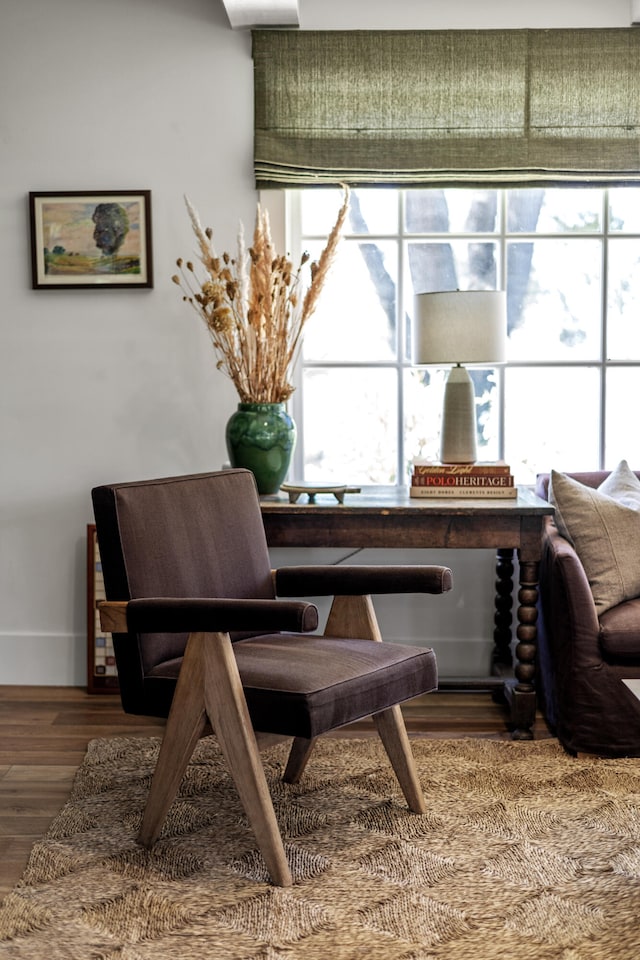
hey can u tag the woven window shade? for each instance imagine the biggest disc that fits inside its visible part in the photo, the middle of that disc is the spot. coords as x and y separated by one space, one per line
451 107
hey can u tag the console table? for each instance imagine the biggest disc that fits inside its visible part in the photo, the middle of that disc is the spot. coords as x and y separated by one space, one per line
389 517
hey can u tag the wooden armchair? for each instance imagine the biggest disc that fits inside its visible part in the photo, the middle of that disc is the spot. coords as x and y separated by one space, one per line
200 638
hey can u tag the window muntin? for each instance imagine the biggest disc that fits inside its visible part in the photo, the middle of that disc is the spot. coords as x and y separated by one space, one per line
568 259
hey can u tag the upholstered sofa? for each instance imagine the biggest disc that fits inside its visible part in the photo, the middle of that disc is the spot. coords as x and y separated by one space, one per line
589 610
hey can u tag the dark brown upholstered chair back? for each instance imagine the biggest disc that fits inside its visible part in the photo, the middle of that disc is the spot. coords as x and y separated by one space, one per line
200 536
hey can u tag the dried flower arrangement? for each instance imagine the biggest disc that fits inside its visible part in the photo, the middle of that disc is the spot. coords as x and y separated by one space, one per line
253 306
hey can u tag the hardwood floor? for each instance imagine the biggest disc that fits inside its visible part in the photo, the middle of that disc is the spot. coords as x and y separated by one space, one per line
44 732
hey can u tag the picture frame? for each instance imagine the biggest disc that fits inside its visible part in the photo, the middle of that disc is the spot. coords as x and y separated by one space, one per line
87 239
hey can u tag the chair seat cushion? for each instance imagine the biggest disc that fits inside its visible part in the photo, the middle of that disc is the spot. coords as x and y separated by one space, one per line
305 686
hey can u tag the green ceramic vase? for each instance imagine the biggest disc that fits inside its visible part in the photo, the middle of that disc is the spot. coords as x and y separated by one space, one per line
262 437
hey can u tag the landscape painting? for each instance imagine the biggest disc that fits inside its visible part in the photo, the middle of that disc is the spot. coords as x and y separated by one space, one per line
97 239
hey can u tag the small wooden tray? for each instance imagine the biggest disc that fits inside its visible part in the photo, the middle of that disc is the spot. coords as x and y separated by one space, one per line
311 489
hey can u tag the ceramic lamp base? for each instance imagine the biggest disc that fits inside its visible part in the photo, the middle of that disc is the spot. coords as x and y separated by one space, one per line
458 441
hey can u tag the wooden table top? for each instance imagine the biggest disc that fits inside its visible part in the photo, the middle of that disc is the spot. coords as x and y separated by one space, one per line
389 517
384 499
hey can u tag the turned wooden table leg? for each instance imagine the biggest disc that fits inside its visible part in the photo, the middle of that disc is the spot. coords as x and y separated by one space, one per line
524 694
502 620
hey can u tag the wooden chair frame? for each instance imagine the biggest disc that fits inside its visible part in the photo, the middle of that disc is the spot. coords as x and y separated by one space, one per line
209 693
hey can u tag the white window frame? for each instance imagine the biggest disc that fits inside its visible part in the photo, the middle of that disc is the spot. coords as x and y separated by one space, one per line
284 211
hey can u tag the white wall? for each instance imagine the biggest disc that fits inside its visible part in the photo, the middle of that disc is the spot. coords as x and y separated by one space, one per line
461 14
111 385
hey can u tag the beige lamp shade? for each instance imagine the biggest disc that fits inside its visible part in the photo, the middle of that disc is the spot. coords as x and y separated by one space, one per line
459 327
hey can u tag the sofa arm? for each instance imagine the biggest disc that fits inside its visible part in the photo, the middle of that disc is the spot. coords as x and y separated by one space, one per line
569 612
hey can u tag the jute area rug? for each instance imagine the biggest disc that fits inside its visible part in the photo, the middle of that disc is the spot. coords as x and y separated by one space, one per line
525 854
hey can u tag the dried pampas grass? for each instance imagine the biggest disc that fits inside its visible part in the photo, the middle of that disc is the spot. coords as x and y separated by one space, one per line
254 305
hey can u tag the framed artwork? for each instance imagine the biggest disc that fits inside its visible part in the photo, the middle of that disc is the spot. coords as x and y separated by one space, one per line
91 239
102 674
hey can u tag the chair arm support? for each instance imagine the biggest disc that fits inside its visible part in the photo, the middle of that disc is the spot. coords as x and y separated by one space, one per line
354 580
195 615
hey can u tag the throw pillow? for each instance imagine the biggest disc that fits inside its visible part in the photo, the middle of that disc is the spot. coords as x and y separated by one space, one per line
623 485
604 527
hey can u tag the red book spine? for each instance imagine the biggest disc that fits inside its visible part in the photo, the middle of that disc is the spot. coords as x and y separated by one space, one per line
462 480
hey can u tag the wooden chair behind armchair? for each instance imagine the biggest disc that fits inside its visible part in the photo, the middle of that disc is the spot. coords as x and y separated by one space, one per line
200 638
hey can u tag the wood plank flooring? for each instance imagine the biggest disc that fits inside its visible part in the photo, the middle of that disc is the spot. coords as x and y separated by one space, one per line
44 733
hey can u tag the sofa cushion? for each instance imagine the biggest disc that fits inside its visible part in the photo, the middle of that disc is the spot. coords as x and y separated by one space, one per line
604 527
623 485
619 633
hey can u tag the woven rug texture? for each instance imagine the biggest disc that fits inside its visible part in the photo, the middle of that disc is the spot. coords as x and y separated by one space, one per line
525 854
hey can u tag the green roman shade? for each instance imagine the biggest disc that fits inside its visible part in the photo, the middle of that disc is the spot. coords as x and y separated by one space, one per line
450 107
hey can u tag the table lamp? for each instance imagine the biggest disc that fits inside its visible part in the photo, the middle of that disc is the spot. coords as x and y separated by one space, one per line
459 327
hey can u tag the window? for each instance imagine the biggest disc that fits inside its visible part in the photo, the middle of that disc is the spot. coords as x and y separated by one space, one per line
569 259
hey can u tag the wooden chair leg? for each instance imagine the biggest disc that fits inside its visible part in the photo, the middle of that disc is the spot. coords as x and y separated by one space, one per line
355 616
185 725
227 709
393 733
349 617
301 749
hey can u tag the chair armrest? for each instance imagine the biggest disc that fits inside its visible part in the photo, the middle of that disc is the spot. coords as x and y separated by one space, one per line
336 580
197 615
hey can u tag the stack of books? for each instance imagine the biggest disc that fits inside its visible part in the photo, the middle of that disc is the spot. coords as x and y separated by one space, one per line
480 480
